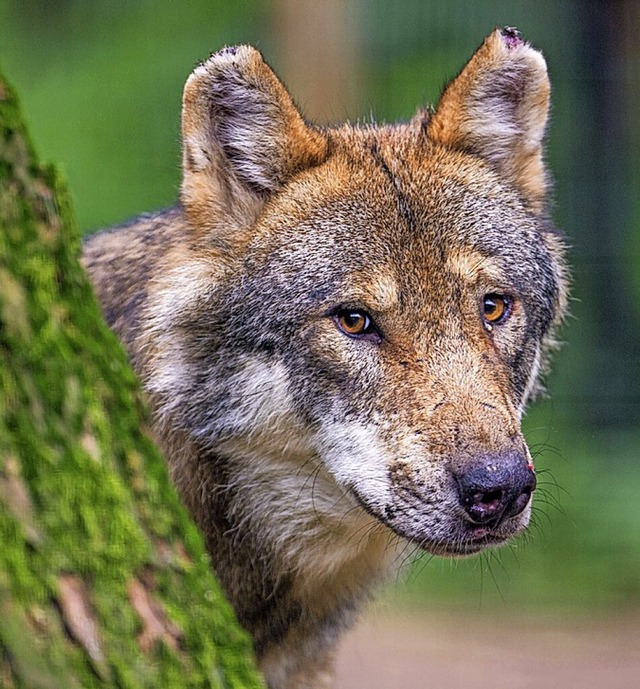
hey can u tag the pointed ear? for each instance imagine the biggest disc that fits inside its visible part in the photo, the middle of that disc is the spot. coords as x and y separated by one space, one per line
242 139
497 108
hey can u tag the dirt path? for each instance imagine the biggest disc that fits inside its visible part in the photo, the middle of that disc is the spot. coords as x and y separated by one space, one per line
478 652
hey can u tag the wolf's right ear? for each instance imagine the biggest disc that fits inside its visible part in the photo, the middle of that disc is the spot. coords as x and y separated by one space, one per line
242 139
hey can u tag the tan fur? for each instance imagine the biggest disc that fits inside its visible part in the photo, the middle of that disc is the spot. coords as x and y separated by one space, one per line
308 455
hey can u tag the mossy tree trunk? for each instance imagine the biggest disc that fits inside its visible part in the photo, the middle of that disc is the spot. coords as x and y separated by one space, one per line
104 581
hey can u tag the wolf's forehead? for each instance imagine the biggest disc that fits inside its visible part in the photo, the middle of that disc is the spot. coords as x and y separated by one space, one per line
386 207
381 288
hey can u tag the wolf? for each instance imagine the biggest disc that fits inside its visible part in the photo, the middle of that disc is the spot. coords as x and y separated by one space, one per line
338 330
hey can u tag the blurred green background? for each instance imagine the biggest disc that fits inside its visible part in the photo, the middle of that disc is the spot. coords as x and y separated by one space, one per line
101 83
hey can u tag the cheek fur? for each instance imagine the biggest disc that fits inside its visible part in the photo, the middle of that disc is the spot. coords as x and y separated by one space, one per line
357 458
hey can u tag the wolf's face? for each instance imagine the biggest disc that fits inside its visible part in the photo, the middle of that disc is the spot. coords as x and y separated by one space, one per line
393 328
372 306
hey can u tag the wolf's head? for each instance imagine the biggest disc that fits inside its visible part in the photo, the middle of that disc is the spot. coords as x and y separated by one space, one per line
369 307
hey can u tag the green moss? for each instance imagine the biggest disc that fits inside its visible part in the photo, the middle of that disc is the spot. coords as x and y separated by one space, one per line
83 492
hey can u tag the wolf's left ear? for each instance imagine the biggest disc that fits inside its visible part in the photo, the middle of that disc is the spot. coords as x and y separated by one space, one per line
497 108
242 140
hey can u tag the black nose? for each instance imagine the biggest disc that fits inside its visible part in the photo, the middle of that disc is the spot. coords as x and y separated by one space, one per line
496 488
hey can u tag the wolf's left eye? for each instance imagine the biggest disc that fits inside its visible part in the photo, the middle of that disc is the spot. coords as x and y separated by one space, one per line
355 323
495 308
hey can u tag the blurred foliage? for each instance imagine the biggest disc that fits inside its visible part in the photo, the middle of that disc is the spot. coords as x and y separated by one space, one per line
101 85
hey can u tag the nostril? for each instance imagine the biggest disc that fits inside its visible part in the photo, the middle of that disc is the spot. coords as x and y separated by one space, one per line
484 506
520 501
491 498
487 500
531 481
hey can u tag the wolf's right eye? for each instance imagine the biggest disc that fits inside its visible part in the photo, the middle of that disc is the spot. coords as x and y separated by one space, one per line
356 323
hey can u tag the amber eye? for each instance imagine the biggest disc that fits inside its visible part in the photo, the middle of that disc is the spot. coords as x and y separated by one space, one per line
354 323
495 308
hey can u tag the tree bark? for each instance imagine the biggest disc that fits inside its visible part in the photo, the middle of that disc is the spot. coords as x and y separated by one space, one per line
104 581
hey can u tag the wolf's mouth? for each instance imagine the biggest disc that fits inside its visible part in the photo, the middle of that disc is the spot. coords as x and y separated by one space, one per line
461 546
462 538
